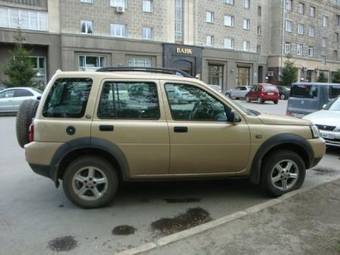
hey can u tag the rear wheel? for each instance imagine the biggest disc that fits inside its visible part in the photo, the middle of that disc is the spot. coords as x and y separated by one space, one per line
283 97
276 102
283 171
90 182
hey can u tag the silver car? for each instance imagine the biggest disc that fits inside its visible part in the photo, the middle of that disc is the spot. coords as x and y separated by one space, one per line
328 122
238 92
11 98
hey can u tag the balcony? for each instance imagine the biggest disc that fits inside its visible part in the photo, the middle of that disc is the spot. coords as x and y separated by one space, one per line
41 4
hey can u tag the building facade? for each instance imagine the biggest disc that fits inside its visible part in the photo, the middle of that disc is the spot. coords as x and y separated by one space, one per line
223 42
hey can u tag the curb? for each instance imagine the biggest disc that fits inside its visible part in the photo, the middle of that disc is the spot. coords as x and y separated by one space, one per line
218 222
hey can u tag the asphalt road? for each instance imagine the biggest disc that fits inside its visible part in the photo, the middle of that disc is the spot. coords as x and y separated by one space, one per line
36 218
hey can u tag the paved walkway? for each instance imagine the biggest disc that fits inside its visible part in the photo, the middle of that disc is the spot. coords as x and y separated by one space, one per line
308 223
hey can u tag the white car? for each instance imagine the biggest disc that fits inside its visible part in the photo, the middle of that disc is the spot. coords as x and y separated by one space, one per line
11 98
328 122
238 92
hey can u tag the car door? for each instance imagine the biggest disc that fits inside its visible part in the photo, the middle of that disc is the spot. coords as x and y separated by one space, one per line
20 95
202 140
236 92
130 117
253 93
6 100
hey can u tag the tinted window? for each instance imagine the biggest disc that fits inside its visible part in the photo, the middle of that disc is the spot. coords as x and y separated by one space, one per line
188 102
334 91
129 100
269 89
304 91
68 98
22 93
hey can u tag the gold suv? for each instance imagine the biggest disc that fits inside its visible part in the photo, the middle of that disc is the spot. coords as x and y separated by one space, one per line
93 130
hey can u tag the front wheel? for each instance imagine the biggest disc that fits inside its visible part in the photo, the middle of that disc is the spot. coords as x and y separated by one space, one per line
90 182
283 172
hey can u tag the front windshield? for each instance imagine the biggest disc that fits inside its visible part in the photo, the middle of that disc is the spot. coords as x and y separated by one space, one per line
246 110
334 105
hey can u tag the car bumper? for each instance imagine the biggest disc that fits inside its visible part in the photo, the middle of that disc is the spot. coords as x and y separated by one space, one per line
319 150
331 138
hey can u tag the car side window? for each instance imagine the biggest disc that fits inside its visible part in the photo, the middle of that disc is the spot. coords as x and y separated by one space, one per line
22 93
7 94
190 103
129 100
68 98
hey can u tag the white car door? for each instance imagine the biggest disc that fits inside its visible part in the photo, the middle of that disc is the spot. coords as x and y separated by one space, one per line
6 100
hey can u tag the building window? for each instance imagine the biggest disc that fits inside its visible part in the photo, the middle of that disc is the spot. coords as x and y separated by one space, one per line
335 54
288 47
24 19
229 21
259 11
259 30
179 20
86 27
312 11
301 8
246 4
299 49
215 75
140 61
311 52
118 30
324 21
243 76
311 31
209 17
210 40
229 43
338 20
147 33
119 3
289 5
301 29
230 2
289 26
91 63
87 1
324 42
246 24
246 45
147 6
337 37
258 48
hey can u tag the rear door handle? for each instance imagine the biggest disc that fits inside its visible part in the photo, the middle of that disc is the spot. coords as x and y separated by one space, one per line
106 128
181 129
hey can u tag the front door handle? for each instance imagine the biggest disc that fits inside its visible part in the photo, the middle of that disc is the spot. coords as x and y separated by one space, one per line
181 129
106 128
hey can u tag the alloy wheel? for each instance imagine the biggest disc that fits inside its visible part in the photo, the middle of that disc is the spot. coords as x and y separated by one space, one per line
284 175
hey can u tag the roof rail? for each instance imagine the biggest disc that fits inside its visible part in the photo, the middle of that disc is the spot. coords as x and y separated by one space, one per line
145 69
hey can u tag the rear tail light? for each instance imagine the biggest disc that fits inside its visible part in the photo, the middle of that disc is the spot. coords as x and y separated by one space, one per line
31 133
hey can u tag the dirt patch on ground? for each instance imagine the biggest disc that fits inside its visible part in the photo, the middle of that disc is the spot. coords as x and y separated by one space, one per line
326 171
123 230
182 200
191 218
64 243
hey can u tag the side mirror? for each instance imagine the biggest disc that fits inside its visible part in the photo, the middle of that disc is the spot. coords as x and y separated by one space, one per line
38 97
234 117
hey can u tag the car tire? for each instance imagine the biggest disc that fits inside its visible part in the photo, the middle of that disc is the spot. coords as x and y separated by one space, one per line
81 184
276 102
277 182
25 115
283 97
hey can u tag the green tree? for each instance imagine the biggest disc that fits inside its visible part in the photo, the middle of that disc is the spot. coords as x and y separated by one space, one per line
336 77
289 73
19 69
322 77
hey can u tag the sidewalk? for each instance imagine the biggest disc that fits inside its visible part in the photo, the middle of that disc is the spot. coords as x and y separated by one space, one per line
308 223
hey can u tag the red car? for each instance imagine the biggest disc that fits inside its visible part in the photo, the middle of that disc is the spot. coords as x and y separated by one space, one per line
263 92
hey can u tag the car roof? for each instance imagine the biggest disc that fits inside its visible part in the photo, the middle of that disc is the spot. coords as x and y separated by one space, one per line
316 83
127 75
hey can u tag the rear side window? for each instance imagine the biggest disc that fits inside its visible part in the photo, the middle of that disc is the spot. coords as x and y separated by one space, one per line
270 89
22 93
68 98
334 91
129 100
304 91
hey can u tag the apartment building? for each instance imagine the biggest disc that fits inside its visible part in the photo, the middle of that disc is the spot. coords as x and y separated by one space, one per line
223 42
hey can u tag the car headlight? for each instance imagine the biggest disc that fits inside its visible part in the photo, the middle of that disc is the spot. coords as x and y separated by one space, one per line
315 131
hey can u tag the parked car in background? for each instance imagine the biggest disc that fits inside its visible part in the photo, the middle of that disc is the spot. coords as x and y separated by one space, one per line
263 92
306 98
215 87
238 92
284 92
11 98
328 122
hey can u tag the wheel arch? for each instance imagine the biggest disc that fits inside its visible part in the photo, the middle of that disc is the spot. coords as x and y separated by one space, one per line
88 146
279 142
